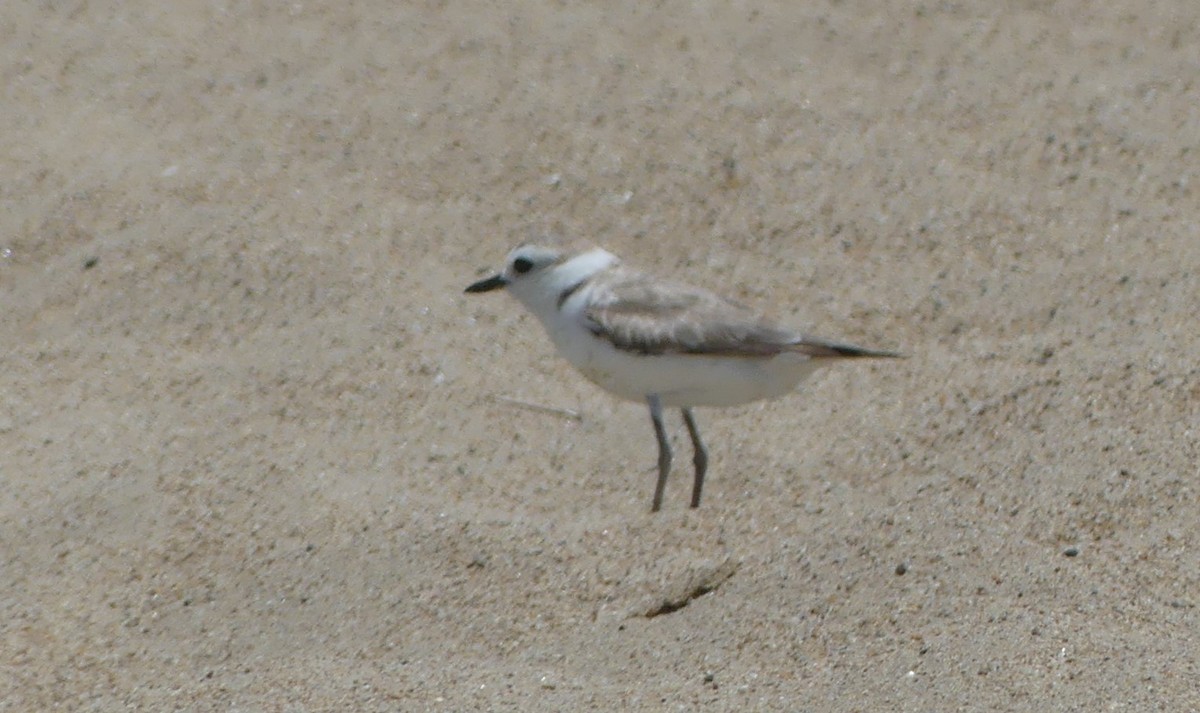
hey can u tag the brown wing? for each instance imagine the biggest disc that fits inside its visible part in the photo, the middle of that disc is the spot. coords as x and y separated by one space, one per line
653 318
638 315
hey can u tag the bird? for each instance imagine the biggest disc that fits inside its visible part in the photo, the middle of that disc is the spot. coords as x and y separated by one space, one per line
661 343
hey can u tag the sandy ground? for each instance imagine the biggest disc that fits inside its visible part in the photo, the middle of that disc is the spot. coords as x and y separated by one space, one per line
256 448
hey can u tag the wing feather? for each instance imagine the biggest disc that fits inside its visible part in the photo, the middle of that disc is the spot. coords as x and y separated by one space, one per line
640 315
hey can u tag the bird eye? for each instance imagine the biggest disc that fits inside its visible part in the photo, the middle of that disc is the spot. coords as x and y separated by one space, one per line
522 265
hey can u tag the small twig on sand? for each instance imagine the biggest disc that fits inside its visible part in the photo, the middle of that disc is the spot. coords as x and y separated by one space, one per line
564 413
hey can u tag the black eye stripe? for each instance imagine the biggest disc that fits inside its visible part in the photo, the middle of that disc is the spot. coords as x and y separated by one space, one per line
522 265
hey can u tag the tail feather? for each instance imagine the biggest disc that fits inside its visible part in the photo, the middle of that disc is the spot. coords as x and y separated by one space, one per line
821 349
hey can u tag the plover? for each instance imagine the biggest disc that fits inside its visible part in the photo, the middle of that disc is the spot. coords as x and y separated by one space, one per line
660 343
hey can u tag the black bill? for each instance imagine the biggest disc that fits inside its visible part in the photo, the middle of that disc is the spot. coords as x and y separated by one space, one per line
494 282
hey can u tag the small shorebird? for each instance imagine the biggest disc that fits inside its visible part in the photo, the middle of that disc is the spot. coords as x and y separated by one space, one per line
664 344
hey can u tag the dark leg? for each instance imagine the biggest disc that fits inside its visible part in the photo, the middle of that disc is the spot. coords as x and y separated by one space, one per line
699 456
664 450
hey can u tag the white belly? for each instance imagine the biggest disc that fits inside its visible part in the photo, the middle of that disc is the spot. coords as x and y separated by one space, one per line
681 380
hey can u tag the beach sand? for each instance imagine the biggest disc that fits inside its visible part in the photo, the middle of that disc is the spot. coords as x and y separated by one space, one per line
260 453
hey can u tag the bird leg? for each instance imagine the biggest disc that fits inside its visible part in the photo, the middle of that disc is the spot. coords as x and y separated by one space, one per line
699 456
664 450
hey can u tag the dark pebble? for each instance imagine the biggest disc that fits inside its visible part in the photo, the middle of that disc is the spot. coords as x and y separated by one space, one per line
1071 551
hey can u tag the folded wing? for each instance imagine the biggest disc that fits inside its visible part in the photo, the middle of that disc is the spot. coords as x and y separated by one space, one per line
641 316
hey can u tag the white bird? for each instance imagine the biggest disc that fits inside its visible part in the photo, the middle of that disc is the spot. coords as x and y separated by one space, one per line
664 344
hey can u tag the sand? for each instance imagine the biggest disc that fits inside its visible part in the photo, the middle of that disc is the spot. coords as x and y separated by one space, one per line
260 453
